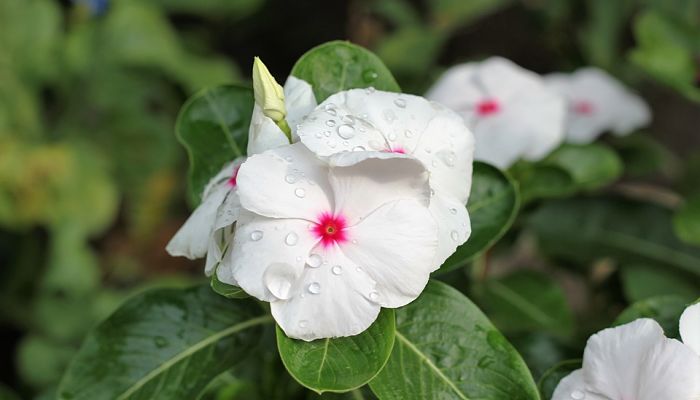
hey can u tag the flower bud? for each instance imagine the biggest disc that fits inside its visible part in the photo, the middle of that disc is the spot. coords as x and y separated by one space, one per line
268 93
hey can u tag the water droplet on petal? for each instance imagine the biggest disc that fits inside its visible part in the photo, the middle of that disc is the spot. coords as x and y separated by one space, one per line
279 279
374 296
318 135
447 156
346 131
331 143
327 133
408 133
578 395
256 235
330 123
331 111
370 90
428 150
303 323
358 148
314 288
289 159
337 270
389 116
314 261
299 192
291 239
454 235
400 103
291 178
354 241
392 136
453 211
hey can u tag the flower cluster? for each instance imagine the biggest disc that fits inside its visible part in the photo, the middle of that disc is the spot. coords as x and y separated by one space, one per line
637 361
353 215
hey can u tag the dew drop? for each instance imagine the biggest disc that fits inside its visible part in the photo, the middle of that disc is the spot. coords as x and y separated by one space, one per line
331 111
337 270
314 288
160 341
370 90
346 143
392 136
314 261
299 192
330 122
327 133
299 258
256 235
428 150
454 235
453 211
289 159
369 75
578 395
358 148
389 116
318 135
291 178
303 323
400 103
373 296
354 241
291 239
331 143
346 131
447 156
408 133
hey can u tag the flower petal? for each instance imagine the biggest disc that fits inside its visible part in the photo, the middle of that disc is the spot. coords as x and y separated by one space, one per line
396 246
264 134
457 88
363 181
330 300
299 100
453 224
668 370
573 387
689 327
219 243
260 242
286 182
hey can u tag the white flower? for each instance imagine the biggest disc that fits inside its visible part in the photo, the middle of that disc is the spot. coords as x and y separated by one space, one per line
597 103
264 133
509 109
368 119
329 243
636 361
204 232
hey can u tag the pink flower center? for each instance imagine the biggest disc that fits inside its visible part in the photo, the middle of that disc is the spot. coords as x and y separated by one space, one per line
330 229
487 107
397 149
583 107
232 180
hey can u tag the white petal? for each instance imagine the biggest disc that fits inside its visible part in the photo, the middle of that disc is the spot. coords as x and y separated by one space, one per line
669 370
364 181
573 387
457 88
228 211
298 99
263 133
260 242
453 223
689 327
286 182
502 79
634 114
192 239
331 300
219 243
396 246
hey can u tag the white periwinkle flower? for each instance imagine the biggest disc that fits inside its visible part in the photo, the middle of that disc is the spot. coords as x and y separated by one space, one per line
371 120
597 103
330 242
209 227
636 361
510 110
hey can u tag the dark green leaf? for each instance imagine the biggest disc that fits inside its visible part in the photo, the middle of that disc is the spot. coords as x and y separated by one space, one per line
642 155
163 344
591 165
540 181
493 205
341 364
213 127
336 66
450 14
447 349
550 379
666 310
641 282
687 221
631 231
526 301
226 290
540 351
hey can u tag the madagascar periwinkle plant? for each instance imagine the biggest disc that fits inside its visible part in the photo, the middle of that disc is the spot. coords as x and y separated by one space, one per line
333 213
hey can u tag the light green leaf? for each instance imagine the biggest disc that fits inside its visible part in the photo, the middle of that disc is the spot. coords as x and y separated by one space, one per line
213 127
336 66
591 165
493 205
666 310
586 229
526 301
450 14
447 349
163 344
550 379
226 290
641 282
687 221
340 364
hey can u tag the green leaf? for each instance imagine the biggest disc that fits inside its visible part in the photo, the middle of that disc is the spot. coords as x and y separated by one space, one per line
641 282
493 205
340 364
447 349
526 301
41 361
687 221
226 290
213 127
450 14
336 66
666 310
550 379
642 155
586 229
163 344
541 181
591 165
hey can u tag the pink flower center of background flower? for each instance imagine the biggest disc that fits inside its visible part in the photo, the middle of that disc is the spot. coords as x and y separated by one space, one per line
583 107
232 180
330 229
487 107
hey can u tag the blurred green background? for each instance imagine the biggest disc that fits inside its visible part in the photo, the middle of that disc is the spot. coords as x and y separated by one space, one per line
92 179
